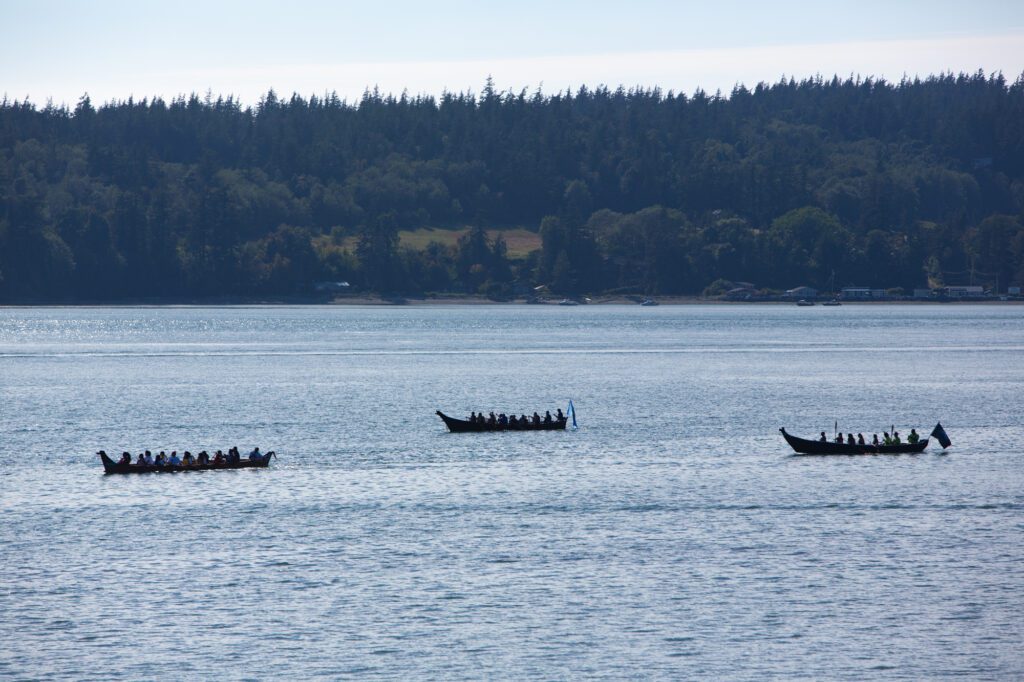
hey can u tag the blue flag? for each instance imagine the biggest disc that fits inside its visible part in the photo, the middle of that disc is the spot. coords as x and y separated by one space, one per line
572 413
940 435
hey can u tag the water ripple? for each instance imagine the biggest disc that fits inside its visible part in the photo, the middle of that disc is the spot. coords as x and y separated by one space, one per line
671 537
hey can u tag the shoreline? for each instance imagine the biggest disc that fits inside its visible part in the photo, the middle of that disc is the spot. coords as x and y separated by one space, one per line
457 300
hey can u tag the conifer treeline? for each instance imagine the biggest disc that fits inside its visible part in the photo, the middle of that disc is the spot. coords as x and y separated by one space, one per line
886 184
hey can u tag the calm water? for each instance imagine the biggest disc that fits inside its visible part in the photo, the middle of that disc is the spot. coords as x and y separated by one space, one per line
671 536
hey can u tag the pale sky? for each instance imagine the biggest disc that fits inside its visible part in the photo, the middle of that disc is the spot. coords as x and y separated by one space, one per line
113 49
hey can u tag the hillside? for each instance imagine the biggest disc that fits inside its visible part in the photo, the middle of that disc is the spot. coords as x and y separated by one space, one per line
885 184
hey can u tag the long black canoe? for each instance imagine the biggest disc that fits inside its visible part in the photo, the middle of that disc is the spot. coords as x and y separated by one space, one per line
112 467
465 426
817 447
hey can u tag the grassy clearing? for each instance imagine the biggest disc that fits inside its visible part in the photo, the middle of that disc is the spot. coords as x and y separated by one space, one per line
520 241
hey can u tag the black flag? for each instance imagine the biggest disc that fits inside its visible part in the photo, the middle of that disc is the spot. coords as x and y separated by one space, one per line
940 435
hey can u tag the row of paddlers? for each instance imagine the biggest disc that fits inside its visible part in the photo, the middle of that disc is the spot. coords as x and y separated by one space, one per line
801 446
253 461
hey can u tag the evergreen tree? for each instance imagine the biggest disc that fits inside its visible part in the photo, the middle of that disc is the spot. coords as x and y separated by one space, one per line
781 184
378 254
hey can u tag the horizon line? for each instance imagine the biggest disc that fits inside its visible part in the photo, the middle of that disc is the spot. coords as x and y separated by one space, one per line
784 79
709 70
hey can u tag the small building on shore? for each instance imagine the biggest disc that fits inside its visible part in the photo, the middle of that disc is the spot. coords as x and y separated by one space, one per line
863 294
801 292
741 294
330 287
965 291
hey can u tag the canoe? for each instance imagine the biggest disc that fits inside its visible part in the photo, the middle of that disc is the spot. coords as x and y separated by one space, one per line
112 467
817 447
465 426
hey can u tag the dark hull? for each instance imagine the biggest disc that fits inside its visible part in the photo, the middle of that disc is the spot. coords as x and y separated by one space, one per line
815 447
463 426
112 467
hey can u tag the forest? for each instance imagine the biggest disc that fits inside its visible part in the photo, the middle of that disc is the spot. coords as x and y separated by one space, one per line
854 181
